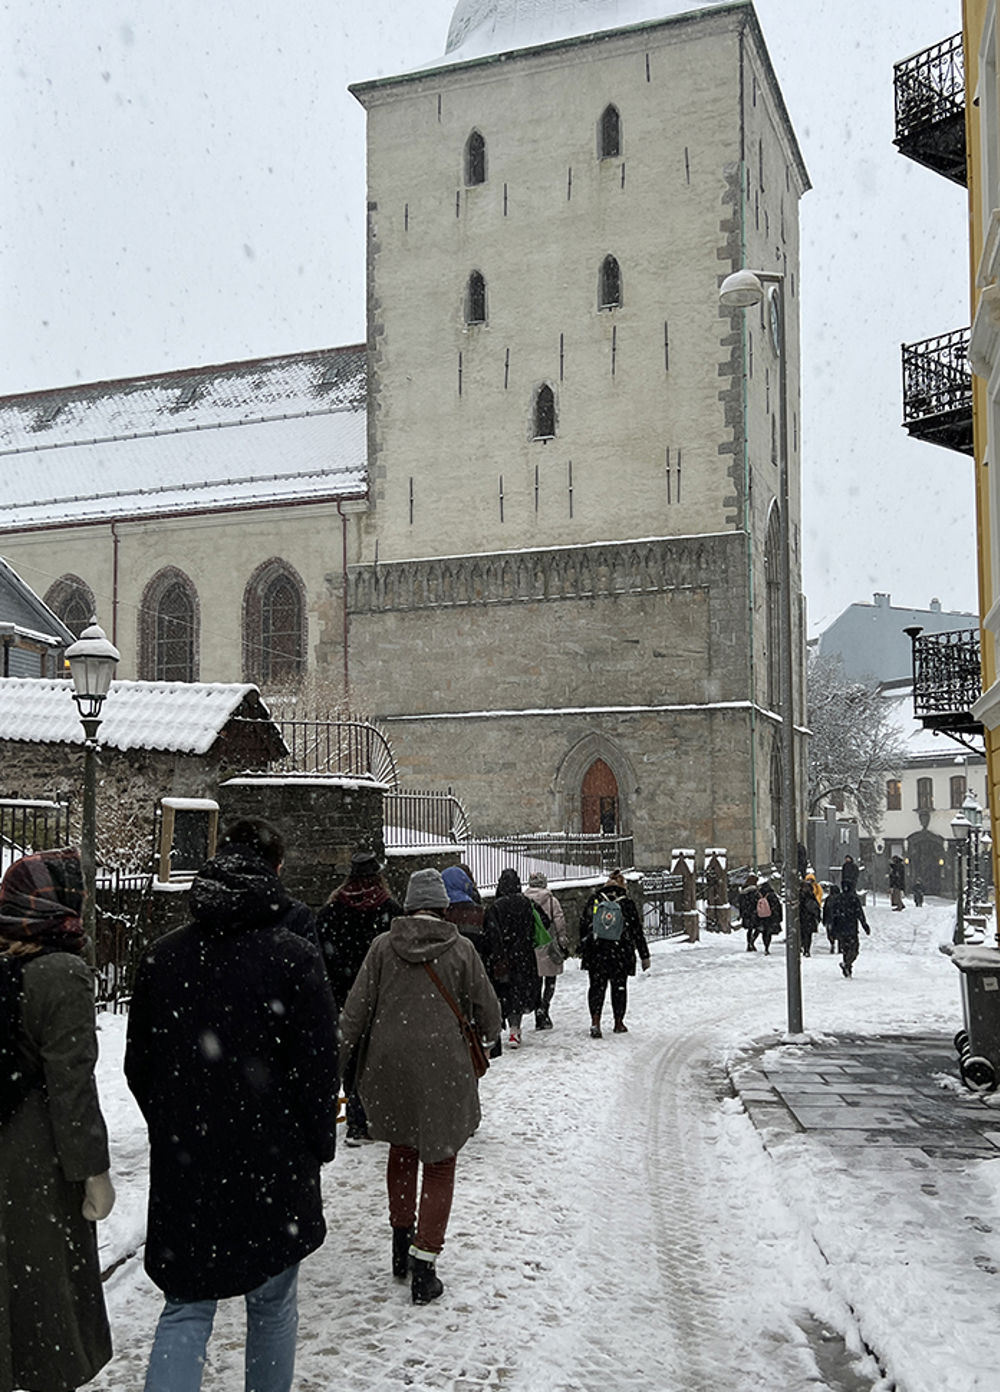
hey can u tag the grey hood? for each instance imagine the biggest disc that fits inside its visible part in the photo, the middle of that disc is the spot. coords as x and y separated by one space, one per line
421 937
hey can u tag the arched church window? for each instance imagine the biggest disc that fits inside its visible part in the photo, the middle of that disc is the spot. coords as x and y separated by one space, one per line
475 299
610 291
274 624
72 600
609 133
772 602
168 628
775 791
545 413
475 159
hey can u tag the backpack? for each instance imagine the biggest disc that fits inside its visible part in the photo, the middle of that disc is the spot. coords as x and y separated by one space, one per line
608 920
763 906
15 1083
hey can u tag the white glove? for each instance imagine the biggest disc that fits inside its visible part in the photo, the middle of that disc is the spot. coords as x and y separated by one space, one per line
98 1197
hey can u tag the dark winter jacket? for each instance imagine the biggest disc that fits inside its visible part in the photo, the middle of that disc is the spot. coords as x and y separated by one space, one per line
809 910
617 959
897 873
832 896
849 872
232 1057
846 914
509 946
49 1268
299 918
348 925
746 906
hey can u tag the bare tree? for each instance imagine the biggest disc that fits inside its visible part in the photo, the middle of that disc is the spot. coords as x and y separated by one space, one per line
854 745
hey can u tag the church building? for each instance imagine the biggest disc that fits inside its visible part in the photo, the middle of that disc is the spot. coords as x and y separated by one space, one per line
554 578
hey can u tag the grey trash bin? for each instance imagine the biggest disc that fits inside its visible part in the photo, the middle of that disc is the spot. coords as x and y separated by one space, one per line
978 1044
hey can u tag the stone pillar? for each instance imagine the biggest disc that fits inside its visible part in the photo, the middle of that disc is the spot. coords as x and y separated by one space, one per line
718 918
682 863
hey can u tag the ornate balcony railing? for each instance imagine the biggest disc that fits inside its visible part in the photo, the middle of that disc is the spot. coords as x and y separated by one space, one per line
930 108
937 390
947 681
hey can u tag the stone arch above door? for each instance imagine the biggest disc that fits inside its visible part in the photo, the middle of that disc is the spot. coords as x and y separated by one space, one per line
573 770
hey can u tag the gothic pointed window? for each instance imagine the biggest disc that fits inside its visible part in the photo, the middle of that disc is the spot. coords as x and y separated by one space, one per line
72 600
609 133
772 610
610 291
168 628
475 299
545 413
274 624
475 159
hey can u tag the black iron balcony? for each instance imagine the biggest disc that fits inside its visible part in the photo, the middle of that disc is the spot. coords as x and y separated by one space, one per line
930 108
937 390
947 681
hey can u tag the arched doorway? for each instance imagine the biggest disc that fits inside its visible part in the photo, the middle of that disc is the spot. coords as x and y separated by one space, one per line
599 800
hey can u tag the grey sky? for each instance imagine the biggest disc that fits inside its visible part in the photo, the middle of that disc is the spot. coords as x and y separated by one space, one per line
184 184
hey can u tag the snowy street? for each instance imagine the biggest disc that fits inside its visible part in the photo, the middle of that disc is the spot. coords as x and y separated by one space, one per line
618 1222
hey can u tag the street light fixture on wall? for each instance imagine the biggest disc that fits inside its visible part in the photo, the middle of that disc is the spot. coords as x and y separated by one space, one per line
740 290
92 661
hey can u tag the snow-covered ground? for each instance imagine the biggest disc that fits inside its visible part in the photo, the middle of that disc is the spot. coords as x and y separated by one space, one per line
618 1224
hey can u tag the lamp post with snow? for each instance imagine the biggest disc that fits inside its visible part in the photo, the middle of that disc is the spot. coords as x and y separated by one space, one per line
92 661
740 290
960 836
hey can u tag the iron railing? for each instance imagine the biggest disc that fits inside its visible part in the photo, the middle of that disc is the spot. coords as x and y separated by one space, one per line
947 680
937 390
412 817
28 825
122 900
353 748
930 108
558 857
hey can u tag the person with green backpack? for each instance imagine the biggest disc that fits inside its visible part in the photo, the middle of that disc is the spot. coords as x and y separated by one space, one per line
611 938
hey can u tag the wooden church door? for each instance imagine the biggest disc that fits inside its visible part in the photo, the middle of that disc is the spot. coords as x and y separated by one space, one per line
599 800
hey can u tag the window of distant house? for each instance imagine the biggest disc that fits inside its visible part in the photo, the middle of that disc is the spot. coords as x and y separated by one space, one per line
168 628
274 624
545 413
958 790
475 159
609 133
894 795
610 289
475 299
925 794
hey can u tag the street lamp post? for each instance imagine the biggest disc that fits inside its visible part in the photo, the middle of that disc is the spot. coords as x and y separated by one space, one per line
739 291
973 882
960 834
92 660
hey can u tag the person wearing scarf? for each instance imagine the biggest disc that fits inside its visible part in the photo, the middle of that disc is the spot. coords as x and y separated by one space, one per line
54 1180
352 918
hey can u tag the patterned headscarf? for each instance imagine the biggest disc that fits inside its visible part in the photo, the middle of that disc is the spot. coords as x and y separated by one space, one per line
41 899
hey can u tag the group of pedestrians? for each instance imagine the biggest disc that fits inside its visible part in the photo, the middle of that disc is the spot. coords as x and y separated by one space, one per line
240 1024
840 911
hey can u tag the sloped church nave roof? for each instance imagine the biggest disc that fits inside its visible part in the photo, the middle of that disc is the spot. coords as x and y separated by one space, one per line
480 27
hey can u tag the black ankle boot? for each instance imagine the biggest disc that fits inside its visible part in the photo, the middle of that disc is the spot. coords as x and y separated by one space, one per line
425 1285
401 1239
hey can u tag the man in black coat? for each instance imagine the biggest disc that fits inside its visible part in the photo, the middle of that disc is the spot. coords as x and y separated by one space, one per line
609 960
846 913
232 1057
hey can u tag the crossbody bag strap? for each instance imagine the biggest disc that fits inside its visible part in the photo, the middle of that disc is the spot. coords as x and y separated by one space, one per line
445 992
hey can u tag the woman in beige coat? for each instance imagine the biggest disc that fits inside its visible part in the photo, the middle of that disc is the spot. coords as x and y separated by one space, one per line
414 1070
54 1183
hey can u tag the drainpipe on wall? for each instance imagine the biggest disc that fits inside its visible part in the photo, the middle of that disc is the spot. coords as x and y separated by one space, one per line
747 507
115 541
343 540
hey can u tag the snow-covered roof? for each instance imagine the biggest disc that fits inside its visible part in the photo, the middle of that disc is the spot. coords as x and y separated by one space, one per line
922 746
180 717
479 27
264 431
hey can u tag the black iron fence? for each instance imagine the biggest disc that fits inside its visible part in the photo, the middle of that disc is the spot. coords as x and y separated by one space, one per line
414 817
352 748
122 933
930 108
947 678
937 390
557 857
28 825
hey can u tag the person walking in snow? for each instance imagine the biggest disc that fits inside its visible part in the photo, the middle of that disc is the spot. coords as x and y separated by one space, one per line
352 918
828 903
809 912
266 841
846 916
897 883
414 1069
231 1055
465 904
849 872
766 913
549 956
746 907
611 938
509 932
54 1180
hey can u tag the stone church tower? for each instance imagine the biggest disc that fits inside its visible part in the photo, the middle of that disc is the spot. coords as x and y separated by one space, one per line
565 595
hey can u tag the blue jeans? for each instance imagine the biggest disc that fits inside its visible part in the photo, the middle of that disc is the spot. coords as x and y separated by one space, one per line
177 1359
